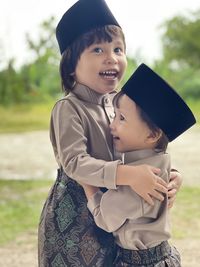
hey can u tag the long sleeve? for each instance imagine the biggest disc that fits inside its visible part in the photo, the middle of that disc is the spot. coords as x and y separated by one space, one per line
122 206
79 139
111 209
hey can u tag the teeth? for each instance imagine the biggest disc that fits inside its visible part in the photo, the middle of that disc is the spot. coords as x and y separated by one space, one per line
109 72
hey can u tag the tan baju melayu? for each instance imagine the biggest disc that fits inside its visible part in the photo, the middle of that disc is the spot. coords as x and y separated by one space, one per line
82 145
135 224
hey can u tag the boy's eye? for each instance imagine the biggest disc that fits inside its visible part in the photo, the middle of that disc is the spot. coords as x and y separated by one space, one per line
98 50
121 117
118 50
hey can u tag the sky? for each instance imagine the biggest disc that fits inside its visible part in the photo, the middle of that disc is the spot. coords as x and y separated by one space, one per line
140 20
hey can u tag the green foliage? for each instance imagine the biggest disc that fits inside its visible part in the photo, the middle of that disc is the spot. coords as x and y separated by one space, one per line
181 54
181 40
11 86
184 79
20 206
46 44
36 81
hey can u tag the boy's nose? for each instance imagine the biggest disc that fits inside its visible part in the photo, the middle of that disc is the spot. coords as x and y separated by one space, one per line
111 59
112 125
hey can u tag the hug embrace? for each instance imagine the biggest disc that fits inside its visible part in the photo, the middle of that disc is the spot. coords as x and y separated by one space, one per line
103 157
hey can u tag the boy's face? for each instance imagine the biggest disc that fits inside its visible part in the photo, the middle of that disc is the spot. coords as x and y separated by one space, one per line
129 131
101 66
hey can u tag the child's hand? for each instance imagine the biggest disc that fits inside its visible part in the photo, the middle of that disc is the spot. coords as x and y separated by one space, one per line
148 184
89 189
173 187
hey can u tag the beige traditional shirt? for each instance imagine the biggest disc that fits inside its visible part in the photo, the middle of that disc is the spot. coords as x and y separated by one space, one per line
134 223
81 139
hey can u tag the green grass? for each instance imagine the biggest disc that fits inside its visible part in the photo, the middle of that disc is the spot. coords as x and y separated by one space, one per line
20 206
186 214
26 117
21 203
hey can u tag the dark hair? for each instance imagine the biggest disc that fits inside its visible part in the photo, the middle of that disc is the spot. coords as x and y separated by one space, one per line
163 141
72 54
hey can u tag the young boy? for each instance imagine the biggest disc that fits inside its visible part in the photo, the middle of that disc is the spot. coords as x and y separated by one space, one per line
149 114
92 65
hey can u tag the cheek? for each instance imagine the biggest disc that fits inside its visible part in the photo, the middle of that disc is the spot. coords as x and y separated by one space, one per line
78 70
124 62
127 134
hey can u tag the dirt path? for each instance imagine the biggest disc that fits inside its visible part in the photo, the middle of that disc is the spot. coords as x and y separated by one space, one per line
26 156
29 156
20 253
23 252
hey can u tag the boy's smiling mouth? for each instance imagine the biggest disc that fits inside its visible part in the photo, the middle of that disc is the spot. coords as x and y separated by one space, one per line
116 138
109 74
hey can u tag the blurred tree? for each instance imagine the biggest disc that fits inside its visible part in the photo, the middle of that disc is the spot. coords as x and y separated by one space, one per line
180 63
45 47
37 80
43 71
11 85
181 40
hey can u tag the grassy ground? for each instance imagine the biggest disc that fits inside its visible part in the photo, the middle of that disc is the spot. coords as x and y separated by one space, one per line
21 203
31 117
20 206
26 117
186 214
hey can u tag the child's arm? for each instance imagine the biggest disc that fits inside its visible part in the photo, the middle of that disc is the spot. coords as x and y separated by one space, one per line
112 208
145 183
72 147
143 180
89 190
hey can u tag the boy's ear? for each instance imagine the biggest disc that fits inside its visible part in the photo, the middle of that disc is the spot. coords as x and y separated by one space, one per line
153 137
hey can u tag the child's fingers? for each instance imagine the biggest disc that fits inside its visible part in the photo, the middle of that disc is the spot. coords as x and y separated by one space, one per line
155 170
160 184
148 199
171 200
157 195
171 193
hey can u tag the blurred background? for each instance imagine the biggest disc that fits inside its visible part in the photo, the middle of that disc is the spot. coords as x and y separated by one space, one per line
164 35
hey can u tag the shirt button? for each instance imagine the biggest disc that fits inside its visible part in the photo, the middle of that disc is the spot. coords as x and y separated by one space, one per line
106 100
112 115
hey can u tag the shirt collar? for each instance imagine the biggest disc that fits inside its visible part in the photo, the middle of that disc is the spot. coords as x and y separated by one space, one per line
132 156
86 94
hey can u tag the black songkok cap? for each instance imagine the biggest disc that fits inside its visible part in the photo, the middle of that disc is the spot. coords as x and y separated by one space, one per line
82 17
159 101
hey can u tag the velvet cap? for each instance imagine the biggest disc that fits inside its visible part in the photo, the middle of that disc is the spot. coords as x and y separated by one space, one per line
159 101
82 17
